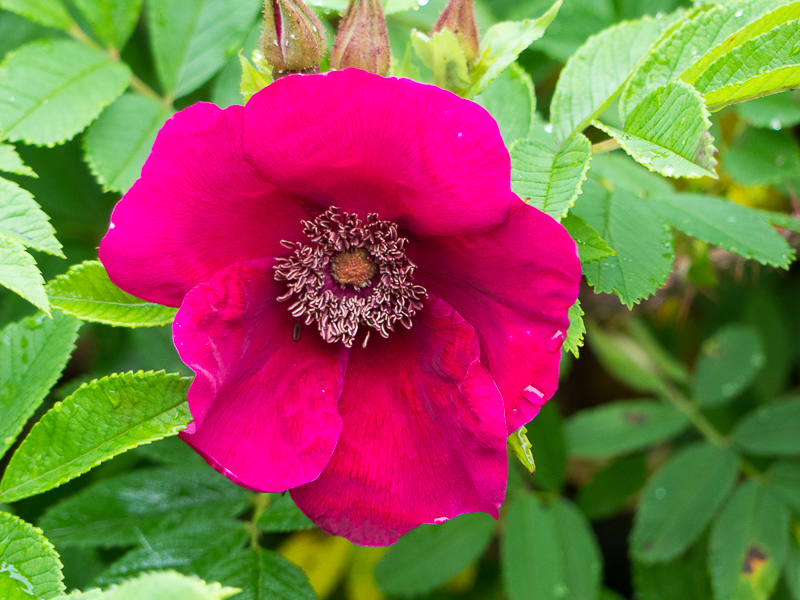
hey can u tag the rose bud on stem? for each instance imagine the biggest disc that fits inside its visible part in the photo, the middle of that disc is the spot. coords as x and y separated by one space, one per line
459 17
293 40
362 41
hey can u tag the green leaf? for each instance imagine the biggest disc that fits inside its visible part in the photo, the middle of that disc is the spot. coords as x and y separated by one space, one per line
576 331
549 551
33 353
18 272
50 13
51 90
663 362
283 515
783 479
591 247
430 555
687 44
22 219
112 20
546 434
550 178
727 365
734 227
262 575
642 242
617 170
141 504
593 77
792 571
254 78
159 586
100 420
683 578
680 500
192 39
520 446
10 162
748 544
775 111
511 100
504 42
29 566
442 54
86 292
668 133
622 427
119 142
609 490
781 220
762 157
764 65
171 451
770 430
194 544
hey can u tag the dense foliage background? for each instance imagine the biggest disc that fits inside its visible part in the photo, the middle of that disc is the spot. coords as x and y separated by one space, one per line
668 460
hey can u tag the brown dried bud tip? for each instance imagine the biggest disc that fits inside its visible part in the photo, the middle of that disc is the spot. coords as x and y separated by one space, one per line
459 17
293 40
362 41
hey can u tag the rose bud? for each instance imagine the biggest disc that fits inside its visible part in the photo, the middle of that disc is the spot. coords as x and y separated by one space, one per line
362 41
459 17
293 40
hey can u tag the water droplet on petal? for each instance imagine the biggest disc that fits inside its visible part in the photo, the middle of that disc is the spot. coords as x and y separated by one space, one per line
555 341
440 520
535 391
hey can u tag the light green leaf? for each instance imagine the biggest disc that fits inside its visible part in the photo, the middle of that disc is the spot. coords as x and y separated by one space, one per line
626 360
680 500
622 427
770 430
262 575
781 220
100 420
617 170
762 157
727 365
783 478
551 178
85 291
33 353
687 44
720 222
668 133
142 504
576 331
609 490
283 515
254 78
442 54
504 42
18 272
775 111
22 219
29 566
391 6
193 39
430 555
546 434
642 241
159 586
51 90
10 161
511 100
50 13
520 446
112 20
663 362
593 77
194 544
748 544
549 551
118 143
591 247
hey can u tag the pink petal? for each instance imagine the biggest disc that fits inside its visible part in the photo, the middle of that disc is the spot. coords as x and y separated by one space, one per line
197 208
514 285
413 153
264 404
424 437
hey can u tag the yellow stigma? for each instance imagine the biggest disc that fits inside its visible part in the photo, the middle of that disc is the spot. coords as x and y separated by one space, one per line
354 268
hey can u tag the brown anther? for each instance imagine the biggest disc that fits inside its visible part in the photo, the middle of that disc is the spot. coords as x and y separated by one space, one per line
354 268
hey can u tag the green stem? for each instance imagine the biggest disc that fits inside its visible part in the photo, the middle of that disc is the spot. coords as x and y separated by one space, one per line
605 146
260 504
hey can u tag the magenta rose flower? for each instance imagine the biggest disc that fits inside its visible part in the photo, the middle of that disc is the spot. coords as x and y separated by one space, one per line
368 308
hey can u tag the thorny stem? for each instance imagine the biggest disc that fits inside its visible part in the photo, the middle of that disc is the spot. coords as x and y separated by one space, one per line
260 504
605 146
136 83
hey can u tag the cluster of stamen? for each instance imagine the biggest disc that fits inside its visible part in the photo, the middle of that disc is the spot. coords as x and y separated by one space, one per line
351 273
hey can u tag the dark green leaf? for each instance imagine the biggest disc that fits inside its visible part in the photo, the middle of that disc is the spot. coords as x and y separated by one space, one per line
33 353
283 515
762 157
23 220
626 360
680 500
609 490
29 566
430 555
684 578
511 101
775 112
100 420
549 551
784 480
546 434
143 503
770 430
591 247
622 427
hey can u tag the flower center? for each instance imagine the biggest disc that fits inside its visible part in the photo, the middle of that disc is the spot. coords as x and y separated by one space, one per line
352 273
